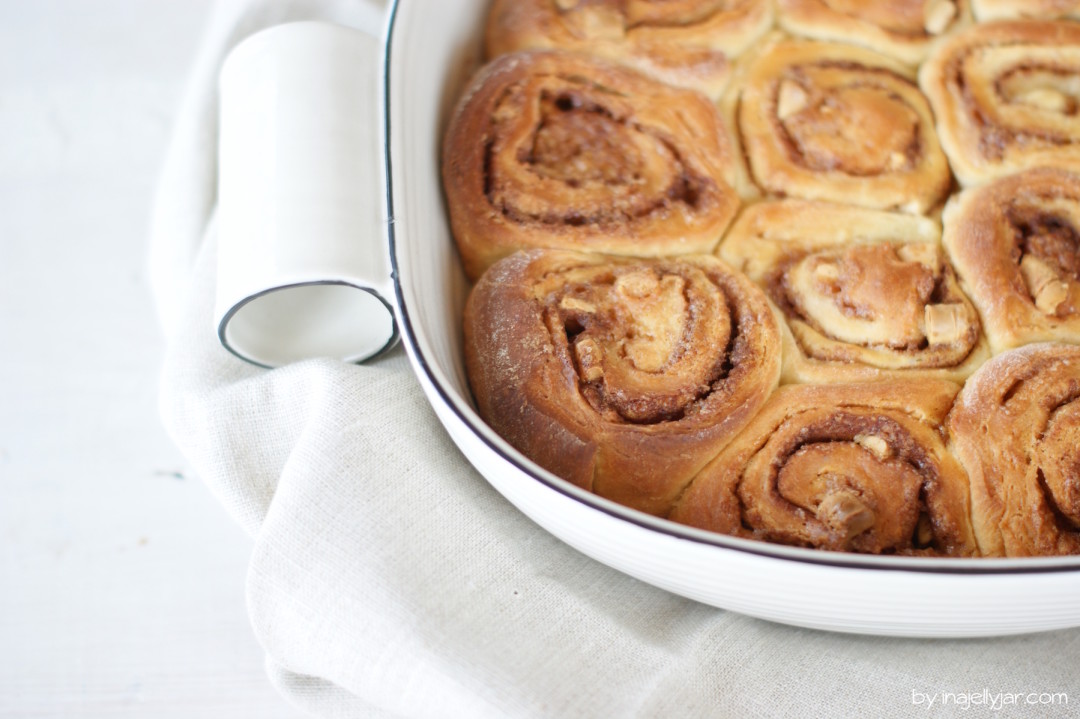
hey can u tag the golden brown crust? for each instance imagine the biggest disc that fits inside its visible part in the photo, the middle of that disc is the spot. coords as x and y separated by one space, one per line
903 29
858 467
623 376
549 149
1004 96
836 122
614 141
866 294
686 42
1016 245
986 10
1016 429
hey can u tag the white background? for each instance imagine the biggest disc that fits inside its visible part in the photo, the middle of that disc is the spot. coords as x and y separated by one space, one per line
121 578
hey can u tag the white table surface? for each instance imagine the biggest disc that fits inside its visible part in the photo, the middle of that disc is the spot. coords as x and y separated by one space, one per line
121 578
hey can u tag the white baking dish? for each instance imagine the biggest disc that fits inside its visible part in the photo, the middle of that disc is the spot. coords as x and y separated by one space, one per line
432 47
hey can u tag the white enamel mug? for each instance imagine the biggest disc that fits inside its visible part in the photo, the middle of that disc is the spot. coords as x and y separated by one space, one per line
303 269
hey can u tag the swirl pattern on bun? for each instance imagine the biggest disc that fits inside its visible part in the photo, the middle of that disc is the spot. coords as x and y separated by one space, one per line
858 468
689 43
826 121
866 294
1016 429
1016 246
901 29
550 149
1006 97
624 376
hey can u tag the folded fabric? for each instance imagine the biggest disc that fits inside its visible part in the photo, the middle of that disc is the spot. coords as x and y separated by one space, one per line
388 578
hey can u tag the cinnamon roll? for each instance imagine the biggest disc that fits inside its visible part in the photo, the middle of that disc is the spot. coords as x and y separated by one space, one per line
867 294
1016 246
836 122
681 42
1016 429
1016 9
903 29
624 376
1006 96
550 149
858 467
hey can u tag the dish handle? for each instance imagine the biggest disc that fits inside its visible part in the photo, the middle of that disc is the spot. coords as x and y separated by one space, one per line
303 266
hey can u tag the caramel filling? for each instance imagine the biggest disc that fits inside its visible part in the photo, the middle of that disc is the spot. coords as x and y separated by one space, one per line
866 294
859 129
566 153
647 342
843 481
850 491
583 148
884 305
1048 254
879 295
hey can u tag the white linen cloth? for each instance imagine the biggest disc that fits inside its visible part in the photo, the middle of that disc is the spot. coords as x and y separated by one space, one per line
388 579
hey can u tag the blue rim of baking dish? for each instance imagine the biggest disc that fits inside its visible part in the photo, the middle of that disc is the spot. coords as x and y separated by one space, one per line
935 565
